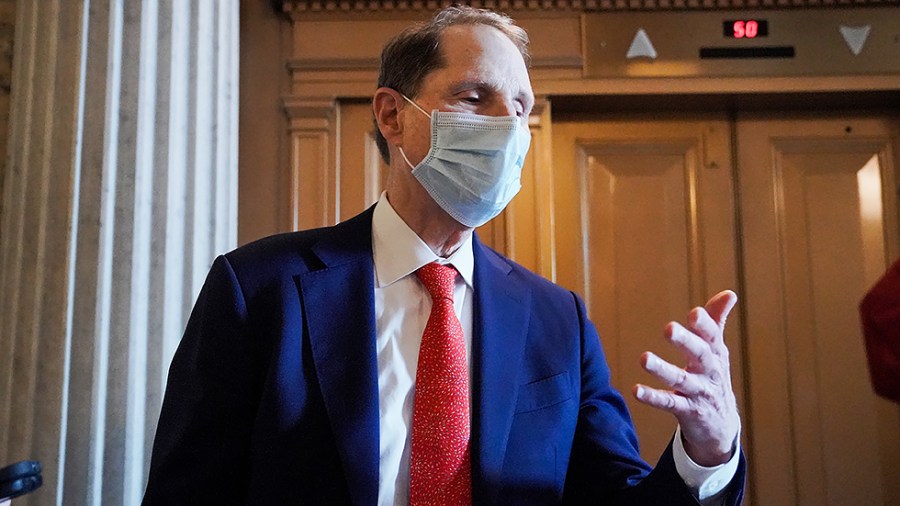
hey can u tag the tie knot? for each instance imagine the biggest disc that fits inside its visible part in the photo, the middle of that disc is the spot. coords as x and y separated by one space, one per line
438 280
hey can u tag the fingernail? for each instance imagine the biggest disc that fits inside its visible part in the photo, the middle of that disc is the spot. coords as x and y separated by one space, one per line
640 392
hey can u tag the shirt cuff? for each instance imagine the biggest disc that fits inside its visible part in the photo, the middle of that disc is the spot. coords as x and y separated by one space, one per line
704 482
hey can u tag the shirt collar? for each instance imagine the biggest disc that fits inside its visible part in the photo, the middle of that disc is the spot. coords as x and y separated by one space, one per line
398 251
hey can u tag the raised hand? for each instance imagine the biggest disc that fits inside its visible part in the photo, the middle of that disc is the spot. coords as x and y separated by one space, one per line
701 396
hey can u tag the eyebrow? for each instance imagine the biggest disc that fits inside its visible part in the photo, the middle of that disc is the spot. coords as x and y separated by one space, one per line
467 84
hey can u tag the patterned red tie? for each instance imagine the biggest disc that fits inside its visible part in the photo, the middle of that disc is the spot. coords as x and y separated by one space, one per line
440 467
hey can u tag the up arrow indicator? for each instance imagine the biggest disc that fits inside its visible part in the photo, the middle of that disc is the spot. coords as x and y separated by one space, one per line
641 46
856 37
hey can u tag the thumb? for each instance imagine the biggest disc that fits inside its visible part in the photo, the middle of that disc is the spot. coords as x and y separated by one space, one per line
720 305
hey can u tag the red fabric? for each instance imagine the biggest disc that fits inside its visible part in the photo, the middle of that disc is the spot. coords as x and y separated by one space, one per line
440 466
880 315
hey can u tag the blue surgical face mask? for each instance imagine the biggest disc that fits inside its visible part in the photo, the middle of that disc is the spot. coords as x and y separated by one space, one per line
474 166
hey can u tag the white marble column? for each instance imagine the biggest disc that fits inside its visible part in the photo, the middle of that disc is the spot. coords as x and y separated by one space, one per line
120 188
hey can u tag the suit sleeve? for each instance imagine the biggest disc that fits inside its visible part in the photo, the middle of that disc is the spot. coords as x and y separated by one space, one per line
605 465
200 453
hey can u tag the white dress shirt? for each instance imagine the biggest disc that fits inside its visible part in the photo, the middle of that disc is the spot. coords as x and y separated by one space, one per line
402 306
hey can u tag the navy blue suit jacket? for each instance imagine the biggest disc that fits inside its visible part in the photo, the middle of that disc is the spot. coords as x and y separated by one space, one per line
272 396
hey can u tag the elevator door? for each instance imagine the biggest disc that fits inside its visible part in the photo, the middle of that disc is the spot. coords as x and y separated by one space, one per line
645 232
819 215
653 216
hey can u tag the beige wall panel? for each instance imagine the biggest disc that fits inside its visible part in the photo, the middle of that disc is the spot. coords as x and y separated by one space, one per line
313 178
362 173
344 43
555 41
263 144
339 58
356 41
815 238
569 247
645 232
341 83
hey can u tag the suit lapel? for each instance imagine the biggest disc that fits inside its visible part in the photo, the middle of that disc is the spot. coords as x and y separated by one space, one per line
338 302
500 325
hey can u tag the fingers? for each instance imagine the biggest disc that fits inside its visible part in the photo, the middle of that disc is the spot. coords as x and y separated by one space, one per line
703 347
666 401
675 377
703 325
696 350
709 322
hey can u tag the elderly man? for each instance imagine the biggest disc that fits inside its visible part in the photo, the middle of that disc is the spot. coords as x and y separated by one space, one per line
393 359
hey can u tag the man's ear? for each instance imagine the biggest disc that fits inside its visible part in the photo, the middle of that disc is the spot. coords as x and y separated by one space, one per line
386 105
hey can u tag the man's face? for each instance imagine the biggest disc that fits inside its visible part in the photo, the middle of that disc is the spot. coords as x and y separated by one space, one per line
484 74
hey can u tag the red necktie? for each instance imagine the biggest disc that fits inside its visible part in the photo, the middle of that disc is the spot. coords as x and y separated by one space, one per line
440 468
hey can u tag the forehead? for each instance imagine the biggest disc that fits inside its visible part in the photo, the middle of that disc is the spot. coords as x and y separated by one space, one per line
480 53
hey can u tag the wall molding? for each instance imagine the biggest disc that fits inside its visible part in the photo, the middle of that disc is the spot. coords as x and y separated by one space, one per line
298 107
296 8
356 64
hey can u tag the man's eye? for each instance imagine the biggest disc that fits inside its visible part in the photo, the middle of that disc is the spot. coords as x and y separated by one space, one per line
471 99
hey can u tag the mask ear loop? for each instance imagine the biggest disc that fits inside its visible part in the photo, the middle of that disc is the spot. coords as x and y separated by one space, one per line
415 105
405 159
411 166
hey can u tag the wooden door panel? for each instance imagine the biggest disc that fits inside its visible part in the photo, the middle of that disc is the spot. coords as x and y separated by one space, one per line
640 229
815 237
